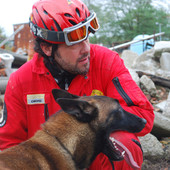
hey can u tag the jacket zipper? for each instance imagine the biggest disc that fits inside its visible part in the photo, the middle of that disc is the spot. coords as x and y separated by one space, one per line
122 92
46 113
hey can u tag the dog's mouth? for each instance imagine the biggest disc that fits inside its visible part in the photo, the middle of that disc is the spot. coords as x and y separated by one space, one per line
116 151
123 153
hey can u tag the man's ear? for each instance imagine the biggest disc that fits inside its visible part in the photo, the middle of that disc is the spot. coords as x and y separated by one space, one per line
46 48
82 110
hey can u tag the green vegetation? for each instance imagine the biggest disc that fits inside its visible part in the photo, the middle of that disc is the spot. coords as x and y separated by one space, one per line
2 34
122 20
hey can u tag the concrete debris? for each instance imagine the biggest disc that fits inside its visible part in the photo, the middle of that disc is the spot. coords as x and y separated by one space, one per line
3 84
165 61
161 126
7 59
161 105
156 62
19 60
135 76
129 60
148 85
151 146
166 111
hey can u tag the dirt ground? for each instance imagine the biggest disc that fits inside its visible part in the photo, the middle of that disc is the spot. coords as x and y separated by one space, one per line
162 163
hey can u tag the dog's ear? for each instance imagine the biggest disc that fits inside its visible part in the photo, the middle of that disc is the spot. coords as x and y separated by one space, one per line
58 93
81 109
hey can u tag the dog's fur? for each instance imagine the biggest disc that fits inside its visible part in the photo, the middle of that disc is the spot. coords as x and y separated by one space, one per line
74 136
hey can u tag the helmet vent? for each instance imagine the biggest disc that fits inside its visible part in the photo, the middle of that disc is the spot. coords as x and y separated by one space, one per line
86 14
52 29
34 19
44 24
42 20
78 12
46 12
68 15
84 10
72 22
57 25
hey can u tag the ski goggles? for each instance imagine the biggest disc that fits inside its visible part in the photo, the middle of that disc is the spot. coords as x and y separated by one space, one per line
80 32
71 35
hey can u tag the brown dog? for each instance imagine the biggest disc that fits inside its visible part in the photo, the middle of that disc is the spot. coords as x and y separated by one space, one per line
74 136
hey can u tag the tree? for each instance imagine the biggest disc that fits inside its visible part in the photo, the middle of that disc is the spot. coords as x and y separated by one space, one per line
2 34
122 20
141 20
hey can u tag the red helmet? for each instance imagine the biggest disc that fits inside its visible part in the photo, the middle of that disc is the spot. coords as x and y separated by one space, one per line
50 17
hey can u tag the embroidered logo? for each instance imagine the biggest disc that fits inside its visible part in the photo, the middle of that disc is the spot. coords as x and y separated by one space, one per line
35 99
97 93
69 2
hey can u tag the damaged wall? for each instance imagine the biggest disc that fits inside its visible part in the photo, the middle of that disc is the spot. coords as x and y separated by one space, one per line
22 39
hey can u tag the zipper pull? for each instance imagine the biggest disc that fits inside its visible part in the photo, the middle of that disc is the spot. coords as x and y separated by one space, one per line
56 80
66 84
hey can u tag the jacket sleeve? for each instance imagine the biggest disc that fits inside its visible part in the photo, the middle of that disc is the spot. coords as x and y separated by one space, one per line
121 86
14 129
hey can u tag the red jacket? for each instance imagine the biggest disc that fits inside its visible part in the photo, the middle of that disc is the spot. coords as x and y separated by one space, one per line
28 97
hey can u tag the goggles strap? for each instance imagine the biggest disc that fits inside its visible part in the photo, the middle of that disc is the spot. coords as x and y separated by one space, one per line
47 34
91 30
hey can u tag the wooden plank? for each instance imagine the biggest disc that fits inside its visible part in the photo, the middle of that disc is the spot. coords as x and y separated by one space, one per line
156 79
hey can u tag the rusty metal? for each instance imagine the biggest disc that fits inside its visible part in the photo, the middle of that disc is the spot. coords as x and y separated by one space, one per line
22 38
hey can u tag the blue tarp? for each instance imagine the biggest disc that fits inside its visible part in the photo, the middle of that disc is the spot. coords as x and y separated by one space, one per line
141 46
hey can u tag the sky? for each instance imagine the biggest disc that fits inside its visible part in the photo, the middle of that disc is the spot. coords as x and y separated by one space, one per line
18 11
14 12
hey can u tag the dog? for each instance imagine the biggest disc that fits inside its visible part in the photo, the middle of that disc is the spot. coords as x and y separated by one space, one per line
73 137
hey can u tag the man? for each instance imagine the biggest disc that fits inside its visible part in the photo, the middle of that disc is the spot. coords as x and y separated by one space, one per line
65 59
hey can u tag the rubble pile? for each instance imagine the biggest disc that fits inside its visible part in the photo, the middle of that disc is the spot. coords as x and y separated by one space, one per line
2 68
151 71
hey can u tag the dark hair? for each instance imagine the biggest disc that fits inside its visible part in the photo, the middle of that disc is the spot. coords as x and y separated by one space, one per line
37 47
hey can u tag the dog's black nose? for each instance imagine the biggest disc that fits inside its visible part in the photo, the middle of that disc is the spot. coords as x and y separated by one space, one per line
143 121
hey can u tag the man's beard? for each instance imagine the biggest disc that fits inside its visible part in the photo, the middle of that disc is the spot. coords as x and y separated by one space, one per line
74 69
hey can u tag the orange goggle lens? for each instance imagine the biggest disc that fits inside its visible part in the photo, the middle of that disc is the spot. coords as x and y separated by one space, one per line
81 32
94 23
77 34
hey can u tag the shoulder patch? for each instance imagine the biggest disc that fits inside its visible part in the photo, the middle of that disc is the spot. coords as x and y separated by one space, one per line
3 116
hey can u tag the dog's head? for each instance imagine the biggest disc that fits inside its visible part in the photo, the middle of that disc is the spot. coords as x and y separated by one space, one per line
104 114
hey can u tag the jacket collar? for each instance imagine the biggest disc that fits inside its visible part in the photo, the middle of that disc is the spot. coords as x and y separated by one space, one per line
38 65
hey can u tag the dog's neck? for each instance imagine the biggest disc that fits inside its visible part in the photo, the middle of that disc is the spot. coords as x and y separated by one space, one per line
73 136
58 140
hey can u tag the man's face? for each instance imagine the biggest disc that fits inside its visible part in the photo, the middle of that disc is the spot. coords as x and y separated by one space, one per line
74 59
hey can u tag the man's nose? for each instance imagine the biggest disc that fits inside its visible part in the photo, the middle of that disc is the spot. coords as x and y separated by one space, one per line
85 46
